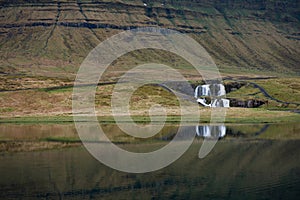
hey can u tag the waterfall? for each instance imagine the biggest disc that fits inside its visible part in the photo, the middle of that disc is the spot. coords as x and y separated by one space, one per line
220 103
221 91
214 90
203 102
202 90
197 91
214 103
205 90
226 103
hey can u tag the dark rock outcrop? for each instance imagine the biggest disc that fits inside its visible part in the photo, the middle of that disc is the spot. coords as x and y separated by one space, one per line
250 103
232 86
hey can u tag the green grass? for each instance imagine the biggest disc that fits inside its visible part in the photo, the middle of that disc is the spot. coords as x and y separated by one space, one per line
26 49
285 89
38 119
243 115
61 139
58 90
245 92
7 109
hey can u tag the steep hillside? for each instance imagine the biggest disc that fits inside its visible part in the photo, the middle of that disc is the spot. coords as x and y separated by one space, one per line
51 38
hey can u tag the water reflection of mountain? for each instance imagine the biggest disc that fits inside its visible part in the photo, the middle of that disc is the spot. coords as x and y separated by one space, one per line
239 170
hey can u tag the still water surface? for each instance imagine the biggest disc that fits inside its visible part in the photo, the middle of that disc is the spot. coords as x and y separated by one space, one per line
249 162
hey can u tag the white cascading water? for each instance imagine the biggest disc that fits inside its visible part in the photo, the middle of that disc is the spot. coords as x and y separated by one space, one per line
220 103
204 90
197 91
203 102
215 103
221 90
226 103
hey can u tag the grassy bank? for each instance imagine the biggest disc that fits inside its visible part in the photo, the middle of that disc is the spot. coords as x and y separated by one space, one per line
58 102
233 115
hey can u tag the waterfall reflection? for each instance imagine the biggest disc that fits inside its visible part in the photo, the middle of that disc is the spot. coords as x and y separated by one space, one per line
211 131
205 131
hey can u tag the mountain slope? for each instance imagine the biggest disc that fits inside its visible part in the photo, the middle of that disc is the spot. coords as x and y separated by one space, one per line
51 38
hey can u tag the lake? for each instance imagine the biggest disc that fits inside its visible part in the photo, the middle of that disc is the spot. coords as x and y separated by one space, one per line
255 161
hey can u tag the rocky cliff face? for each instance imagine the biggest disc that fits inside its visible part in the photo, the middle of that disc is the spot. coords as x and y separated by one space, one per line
53 37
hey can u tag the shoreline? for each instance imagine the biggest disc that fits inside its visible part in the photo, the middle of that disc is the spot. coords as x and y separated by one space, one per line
234 116
239 116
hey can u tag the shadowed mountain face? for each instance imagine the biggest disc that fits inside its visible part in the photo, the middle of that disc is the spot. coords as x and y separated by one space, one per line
51 38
